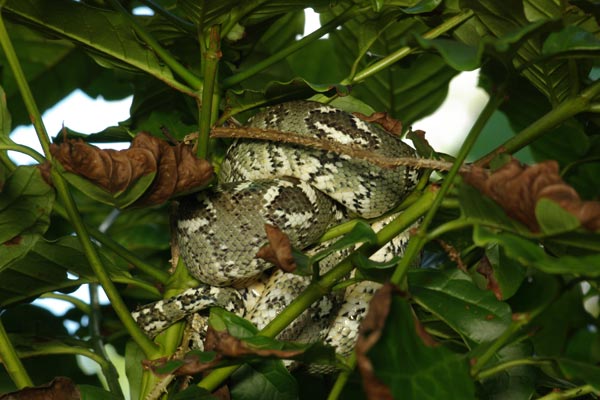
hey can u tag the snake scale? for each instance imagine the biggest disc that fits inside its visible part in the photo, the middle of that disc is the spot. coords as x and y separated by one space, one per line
303 191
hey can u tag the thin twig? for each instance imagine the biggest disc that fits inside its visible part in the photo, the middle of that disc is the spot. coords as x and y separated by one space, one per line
334 147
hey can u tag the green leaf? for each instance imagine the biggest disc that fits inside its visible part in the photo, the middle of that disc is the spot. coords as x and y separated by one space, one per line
485 211
530 254
414 370
107 34
25 204
458 55
120 199
194 393
508 273
409 90
223 320
134 356
422 6
571 39
554 219
89 392
580 371
452 296
266 380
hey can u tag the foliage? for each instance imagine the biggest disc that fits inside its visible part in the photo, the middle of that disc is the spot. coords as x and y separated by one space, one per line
497 307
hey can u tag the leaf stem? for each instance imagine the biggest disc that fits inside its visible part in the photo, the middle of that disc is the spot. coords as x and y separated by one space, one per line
570 393
418 241
12 362
77 303
541 126
184 73
508 365
321 287
212 55
25 150
399 54
342 378
109 243
64 194
267 62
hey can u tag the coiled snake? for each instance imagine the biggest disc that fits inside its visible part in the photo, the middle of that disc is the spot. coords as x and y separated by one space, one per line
303 191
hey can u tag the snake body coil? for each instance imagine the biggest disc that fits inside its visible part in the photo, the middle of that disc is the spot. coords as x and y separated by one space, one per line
303 191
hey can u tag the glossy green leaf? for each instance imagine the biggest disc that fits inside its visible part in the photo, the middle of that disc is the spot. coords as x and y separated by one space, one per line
267 380
458 55
96 393
422 6
26 201
119 199
452 296
554 219
530 254
413 370
508 273
223 320
106 33
571 39
581 372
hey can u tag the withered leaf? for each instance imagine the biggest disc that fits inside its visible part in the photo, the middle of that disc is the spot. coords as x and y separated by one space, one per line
229 346
384 119
279 249
517 189
177 169
369 333
60 388
485 269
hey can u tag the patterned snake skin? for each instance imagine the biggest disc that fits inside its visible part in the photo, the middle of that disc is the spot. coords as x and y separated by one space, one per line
302 191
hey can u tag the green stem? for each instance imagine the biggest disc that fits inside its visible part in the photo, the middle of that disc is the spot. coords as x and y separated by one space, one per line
78 303
570 393
25 150
399 54
109 243
184 73
34 112
267 62
12 362
211 64
237 13
508 365
556 116
110 372
342 378
491 350
65 196
321 287
418 241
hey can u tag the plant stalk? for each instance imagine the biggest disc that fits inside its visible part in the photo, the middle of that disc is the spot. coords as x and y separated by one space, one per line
321 287
267 62
418 241
184 73
63 193
538 128
212 55
399 54
12 362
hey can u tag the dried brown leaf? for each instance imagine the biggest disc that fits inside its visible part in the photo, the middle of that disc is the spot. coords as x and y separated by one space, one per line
517 189
229 346
369 333
279 249
485 269
60 388
384 119
177 168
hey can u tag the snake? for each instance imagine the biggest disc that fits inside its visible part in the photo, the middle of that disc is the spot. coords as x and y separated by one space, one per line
303 191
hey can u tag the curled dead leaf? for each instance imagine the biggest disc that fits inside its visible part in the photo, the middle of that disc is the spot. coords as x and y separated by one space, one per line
177 168
227 345
60 388
517 189
485 269
384 119
279 249
369 333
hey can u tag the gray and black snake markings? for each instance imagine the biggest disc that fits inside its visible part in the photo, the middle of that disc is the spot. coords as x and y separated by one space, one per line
302 191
